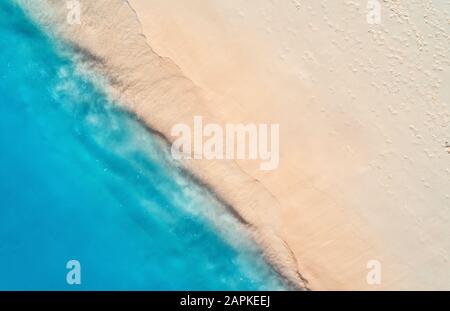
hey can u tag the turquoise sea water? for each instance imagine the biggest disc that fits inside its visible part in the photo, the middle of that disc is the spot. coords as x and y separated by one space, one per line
80 179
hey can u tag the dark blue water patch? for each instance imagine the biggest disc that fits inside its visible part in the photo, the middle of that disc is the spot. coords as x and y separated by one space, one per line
81 179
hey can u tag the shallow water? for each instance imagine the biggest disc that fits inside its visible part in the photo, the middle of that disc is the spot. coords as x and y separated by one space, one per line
81 179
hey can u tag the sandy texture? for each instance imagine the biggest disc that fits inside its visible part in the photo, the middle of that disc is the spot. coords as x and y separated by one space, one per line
363 113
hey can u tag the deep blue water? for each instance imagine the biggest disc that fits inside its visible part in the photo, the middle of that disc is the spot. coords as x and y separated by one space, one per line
81 179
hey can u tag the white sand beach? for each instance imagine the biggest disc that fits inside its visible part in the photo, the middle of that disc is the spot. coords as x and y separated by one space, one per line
363 111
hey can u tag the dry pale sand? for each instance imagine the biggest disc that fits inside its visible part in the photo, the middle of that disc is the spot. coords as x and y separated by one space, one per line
363 112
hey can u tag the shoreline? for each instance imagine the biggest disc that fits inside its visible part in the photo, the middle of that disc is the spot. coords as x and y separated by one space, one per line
208 174
353 184
362 109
